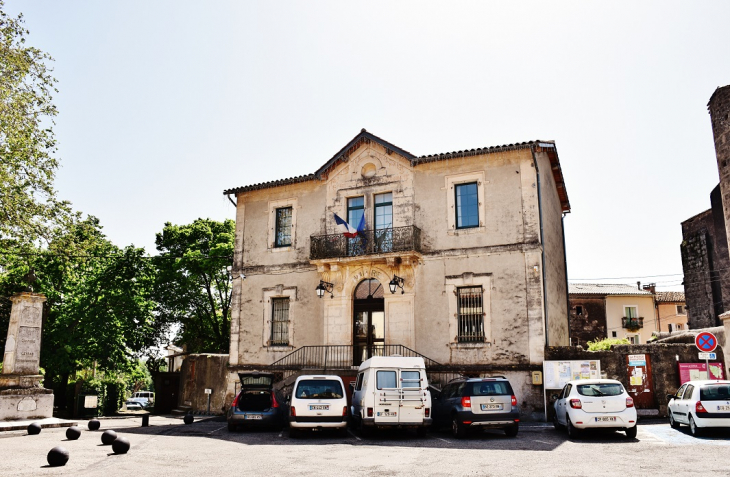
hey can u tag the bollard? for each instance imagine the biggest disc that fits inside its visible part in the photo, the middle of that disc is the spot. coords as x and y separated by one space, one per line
146 420
57 456
108 437
94 425
73 433
120 445
34 428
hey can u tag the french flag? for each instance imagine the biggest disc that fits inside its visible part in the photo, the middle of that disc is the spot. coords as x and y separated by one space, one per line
347 229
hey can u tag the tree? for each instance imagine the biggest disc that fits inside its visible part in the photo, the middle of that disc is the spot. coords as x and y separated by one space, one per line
29 209
193 287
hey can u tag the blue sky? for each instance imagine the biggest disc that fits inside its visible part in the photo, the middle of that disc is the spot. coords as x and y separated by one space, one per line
165 104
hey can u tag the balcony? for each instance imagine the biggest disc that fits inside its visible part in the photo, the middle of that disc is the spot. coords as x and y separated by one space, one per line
368 242
632 323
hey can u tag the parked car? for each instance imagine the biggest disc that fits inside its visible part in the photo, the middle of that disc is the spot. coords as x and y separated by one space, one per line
700 404
148 395
318 402
595 403
392 392
477 403
135 405
258 404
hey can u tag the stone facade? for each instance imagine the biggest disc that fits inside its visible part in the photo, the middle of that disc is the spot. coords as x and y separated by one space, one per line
587 319
513 257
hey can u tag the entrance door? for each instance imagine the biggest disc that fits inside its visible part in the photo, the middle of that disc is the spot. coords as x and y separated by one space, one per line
641 384
368 335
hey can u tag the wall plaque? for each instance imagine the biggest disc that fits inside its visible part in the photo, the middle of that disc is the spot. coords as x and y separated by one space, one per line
27 354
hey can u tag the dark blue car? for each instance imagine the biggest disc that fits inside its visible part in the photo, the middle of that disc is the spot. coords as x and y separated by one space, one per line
258 404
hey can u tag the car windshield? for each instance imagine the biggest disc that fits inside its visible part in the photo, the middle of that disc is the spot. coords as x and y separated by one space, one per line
319 389
604 389
492 388
715 392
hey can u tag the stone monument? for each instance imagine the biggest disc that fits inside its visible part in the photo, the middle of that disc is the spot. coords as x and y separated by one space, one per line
21 395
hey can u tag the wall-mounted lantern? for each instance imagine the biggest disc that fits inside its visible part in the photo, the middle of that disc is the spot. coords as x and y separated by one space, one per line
395 283
324 287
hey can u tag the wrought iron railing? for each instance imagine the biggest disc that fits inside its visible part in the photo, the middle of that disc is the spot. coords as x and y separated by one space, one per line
632 323
339 356
368 242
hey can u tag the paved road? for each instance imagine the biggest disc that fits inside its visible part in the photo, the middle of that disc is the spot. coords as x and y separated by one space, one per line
170 448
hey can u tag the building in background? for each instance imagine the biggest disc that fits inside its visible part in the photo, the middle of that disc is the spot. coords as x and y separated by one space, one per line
671 311
458 257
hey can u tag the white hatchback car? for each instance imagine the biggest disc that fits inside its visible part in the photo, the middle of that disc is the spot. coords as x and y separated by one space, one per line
595 403
700 404
318 402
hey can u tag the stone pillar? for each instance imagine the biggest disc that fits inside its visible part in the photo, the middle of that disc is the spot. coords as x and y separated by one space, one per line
725 318
719 107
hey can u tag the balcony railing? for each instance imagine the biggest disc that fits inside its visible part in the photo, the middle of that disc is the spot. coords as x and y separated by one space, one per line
632 323
368 242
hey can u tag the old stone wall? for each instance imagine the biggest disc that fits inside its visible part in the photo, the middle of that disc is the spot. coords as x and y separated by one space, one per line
663 358
200 372
719 108
587 320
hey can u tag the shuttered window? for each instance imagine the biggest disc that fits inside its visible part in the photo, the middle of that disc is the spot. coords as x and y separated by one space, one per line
279 321
470 302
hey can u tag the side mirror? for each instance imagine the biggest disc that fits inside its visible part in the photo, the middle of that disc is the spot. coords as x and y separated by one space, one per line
554 397
352 384
670 397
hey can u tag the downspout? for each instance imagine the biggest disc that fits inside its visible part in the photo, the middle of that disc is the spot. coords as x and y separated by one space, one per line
542 247
229 198
567 286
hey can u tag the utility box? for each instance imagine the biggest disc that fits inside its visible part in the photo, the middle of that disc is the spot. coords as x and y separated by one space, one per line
537 378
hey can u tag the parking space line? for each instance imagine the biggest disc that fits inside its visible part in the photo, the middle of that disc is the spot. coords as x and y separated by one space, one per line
442 440
211 432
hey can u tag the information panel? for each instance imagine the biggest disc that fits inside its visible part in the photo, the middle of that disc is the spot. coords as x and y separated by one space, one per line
695 371
557 373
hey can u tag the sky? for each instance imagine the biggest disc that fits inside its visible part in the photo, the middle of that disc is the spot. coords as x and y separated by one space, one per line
163 105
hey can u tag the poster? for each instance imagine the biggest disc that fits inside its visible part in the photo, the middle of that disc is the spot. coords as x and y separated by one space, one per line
557 373
637 360
695 371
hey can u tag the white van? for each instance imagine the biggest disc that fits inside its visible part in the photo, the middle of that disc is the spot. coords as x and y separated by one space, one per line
318 402
392 391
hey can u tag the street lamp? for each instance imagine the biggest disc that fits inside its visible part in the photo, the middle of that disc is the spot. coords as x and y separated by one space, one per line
395 283
324 287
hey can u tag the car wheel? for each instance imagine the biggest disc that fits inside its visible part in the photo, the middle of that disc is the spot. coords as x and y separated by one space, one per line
556 424
673 422
693 429
511 431
457 429
631 432
572 431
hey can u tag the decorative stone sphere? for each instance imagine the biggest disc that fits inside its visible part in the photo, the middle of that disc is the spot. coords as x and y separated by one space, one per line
34 428
57 456
73 433
94 425
120 445
108 437
188 419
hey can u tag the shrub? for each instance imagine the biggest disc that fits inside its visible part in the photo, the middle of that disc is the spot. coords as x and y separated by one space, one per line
606 344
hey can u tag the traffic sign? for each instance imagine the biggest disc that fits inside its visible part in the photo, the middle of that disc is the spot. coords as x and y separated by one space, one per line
706 342
707 355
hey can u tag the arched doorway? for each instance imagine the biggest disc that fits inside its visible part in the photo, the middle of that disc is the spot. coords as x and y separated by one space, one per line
368 334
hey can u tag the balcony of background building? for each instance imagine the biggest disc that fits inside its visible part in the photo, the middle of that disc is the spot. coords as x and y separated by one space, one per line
368 242
632 323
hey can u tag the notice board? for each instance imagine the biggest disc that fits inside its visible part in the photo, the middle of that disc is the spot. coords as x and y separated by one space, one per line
695 371
557 373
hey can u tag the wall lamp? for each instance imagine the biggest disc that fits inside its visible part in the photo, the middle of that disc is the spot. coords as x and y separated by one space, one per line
395 283
324 287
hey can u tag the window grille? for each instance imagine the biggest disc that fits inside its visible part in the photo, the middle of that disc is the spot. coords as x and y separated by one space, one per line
279 321
283 227
470 314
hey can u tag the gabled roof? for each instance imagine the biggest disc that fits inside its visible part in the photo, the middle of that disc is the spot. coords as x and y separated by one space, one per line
670 297
602 289
365 137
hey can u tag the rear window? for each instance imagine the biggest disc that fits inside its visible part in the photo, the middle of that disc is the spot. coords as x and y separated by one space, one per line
715 392
253 380
410 379
491 388
605 389
319 389
386 380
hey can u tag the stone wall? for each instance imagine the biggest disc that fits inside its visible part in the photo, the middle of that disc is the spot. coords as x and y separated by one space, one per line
200 372
590 324
698 266
663 357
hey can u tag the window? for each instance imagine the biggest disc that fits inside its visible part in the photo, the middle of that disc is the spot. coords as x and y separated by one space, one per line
410 379
671 327
614 334
280 321
355 212
385 380
467 205
470 314
579 310
678 326
384 222
688 392
630 312
358 383
681 310
283 227
633 339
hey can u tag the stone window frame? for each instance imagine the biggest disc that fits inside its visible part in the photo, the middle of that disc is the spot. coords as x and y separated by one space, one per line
273 206
278 291
467 279
450 182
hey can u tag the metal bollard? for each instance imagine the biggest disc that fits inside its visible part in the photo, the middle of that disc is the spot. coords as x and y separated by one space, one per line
146 420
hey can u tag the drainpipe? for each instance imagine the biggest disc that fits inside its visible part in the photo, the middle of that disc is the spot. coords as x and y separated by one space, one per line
567 286
229 198
542 245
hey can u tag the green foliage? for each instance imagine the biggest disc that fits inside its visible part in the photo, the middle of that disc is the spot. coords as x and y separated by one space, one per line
111 392
193 286
606 344
29 209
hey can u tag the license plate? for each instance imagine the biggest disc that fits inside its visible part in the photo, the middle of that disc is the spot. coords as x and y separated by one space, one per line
606 419
387 414
319 407
253 416
490 407
723 408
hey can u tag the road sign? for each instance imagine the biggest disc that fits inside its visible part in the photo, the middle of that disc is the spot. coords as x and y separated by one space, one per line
708 356
208 391
706 342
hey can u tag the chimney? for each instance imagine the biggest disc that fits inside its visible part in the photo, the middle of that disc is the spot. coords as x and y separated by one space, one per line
650 287
638 285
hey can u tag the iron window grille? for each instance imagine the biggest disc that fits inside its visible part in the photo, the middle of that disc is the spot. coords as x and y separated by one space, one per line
283 227
279 322
470 301
467 205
